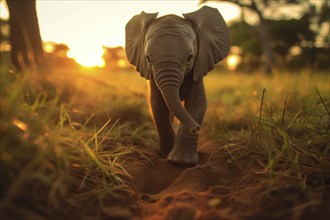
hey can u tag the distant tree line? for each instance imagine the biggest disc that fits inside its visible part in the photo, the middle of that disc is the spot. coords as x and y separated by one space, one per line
292 44
279 39
274 40
115 58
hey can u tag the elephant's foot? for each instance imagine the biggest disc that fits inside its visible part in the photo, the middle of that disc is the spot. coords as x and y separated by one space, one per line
183 156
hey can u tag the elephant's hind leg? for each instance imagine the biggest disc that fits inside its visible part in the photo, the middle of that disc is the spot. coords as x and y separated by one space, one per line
185 148
162 120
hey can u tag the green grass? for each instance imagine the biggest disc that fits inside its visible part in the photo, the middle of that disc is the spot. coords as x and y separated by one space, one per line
282 119
61 133
59 144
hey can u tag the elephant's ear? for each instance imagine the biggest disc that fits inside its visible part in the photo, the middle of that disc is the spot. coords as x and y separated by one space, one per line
213 36
135 31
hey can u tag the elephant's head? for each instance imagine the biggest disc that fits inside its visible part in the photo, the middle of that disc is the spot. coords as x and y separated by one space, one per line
169 48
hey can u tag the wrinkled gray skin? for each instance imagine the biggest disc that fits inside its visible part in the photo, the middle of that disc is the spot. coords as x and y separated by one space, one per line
174 54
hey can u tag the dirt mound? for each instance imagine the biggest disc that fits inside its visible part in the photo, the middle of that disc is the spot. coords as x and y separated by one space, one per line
228 183
155 177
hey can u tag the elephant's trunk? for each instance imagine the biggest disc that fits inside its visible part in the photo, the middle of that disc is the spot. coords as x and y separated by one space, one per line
169 83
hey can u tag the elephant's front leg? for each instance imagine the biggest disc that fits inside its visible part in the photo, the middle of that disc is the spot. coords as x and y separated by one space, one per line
185 148
162 119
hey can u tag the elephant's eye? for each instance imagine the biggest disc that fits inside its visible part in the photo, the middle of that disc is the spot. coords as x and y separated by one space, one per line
148 59
190 58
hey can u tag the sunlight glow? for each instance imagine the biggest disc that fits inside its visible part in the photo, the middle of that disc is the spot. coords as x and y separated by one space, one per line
122 63
4 14
232 61
19 124
88 56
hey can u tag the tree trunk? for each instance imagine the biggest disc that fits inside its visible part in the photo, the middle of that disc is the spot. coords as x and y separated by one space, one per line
24 34
261 29
265 41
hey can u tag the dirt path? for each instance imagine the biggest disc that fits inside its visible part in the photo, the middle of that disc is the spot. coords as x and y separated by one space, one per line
228 183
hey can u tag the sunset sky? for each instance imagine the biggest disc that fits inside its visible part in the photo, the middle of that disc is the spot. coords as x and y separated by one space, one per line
86 26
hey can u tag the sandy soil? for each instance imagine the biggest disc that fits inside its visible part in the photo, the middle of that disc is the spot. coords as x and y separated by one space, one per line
219 187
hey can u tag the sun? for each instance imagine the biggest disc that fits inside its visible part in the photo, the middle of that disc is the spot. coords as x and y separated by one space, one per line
88 57
89 60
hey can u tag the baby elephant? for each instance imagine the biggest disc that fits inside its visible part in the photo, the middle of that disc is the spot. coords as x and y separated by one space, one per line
174 54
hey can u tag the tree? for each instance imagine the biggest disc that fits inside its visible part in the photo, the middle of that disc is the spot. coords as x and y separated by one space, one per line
278 31
59 50
261 28
115 58
244 36
26 45
286 35
56 55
